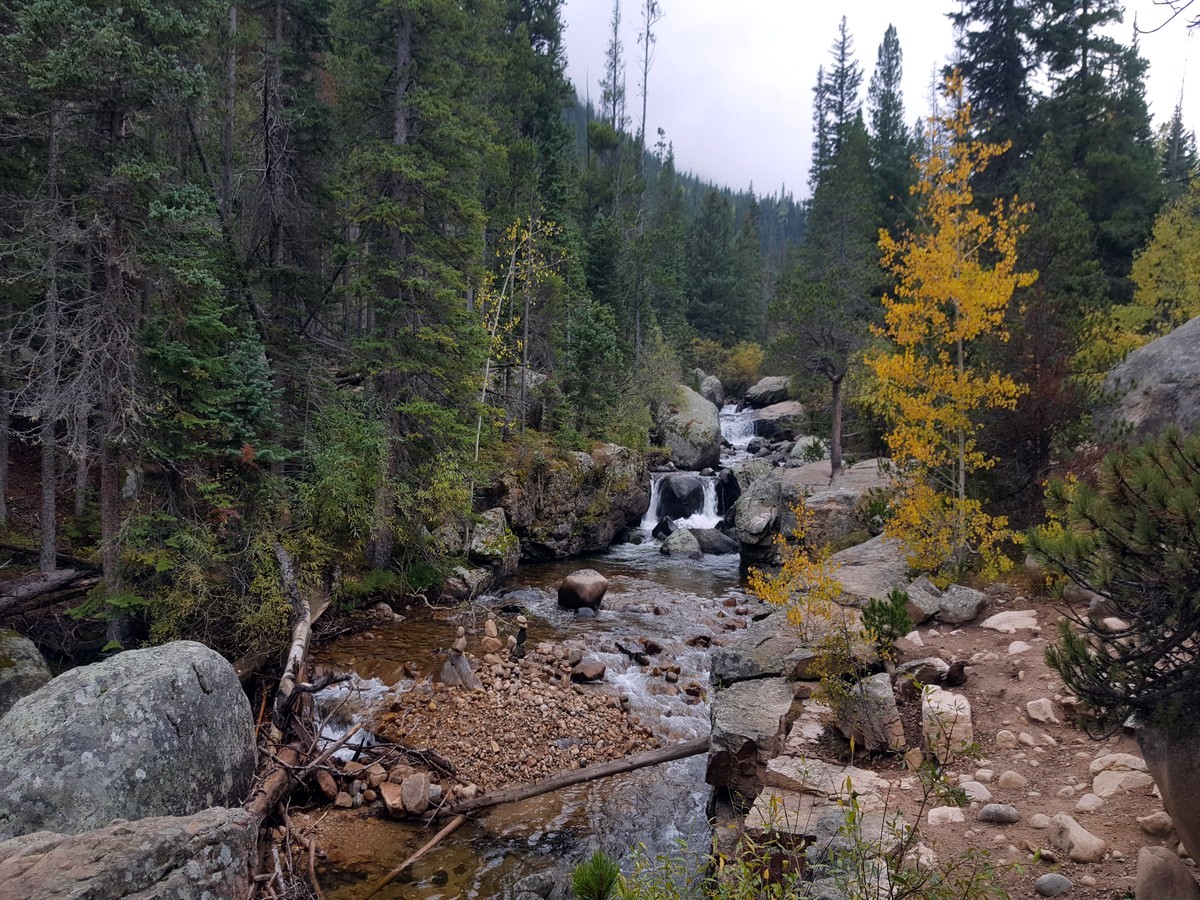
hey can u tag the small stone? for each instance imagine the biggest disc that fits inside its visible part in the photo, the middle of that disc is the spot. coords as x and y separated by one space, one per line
1039 820
1157 824
1089 803
984 776
327 784
976 791
1017 647
1025 739
415 793
392 798
945 815
999 813
1012 781
1052 884
343 800
1088 881
369 796
1006 740
489 628
1041 710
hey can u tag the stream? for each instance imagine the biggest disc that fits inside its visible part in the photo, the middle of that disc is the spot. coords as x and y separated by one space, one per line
662 808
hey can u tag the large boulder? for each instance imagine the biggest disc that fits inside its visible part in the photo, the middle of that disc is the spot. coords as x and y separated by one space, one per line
199 857
160 732
680 494
712 391
770 647
946 723
582 589
566 504
871 569
493 544
748 726
756 517
714 542
690 428
1161 875
1156 387
868 715
728 491
780 421
22 669
769 390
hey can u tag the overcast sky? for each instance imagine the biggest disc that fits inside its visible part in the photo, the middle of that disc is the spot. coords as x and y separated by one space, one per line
731 83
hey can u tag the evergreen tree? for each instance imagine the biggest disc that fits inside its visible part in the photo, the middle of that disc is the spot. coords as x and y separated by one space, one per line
713 290
891 142
1179 162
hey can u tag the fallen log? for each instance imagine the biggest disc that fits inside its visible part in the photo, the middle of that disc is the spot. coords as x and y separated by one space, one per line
35 584
64 559
287 774
30 605
579 776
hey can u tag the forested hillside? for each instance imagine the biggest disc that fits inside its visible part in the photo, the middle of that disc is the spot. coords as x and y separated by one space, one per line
316 271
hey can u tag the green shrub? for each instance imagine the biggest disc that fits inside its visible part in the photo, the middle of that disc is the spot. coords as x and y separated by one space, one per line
596 879
886 621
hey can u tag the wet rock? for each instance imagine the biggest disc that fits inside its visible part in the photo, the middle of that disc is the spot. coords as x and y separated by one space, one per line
769 390
728 491
682 543
1161 876
393 798
197 857
946 723
163 731
22 668
588 670
680 495
1076 841
756 517
690 428
747 731
999 813
540 884
869 715
582 588
326 784
713 541
1052 884
666 526
414 793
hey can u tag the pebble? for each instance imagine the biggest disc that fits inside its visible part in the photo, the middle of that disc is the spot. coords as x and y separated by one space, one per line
1012 781
1052 884
1041 710
1025 739
1089 803
945 815
1039 820
1006 740
999 813
976 791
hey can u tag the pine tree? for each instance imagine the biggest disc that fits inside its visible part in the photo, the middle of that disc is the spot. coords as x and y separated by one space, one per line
1179 162
712 277
891 142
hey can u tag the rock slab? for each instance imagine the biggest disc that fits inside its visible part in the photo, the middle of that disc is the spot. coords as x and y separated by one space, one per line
200 857
160 732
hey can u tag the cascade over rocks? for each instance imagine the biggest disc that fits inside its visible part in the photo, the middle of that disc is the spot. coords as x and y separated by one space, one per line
22 669
713 541
769 390
681 542
582 589
199 857
162 731
680 494
574 503
1156 387
690 428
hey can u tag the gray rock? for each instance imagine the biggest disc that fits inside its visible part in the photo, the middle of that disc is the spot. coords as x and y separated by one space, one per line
713 541
199 857
869 715
769 647
756 516
690 428
781 422
679 495
493 544
1162 876
582 588
22 669
1075 840
769 390
1052 884
747 731
163 731
588 670
681 543
871 569
712 391
959 605
540 884
1000 813
414 793
1156 387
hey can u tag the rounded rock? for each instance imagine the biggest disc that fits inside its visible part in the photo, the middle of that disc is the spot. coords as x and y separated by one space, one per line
1052 884
999 813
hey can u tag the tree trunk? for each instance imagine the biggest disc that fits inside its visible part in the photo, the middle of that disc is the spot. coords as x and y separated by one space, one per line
110 526
272 124
835 438
5 431
47 560
82 451
229 111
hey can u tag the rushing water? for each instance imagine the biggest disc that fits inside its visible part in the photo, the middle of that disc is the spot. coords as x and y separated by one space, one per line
650 596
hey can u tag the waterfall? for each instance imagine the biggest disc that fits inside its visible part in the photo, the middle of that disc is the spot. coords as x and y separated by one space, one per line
707 517
737 427
650 519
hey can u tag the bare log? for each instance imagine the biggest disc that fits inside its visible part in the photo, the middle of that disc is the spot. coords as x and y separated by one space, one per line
34 585
579 776
301 631
75 562
71 593
452 826
287 775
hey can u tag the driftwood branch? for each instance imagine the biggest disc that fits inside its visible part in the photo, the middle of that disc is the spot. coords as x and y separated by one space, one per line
452 826
579 776
75 562
287 774
301 632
